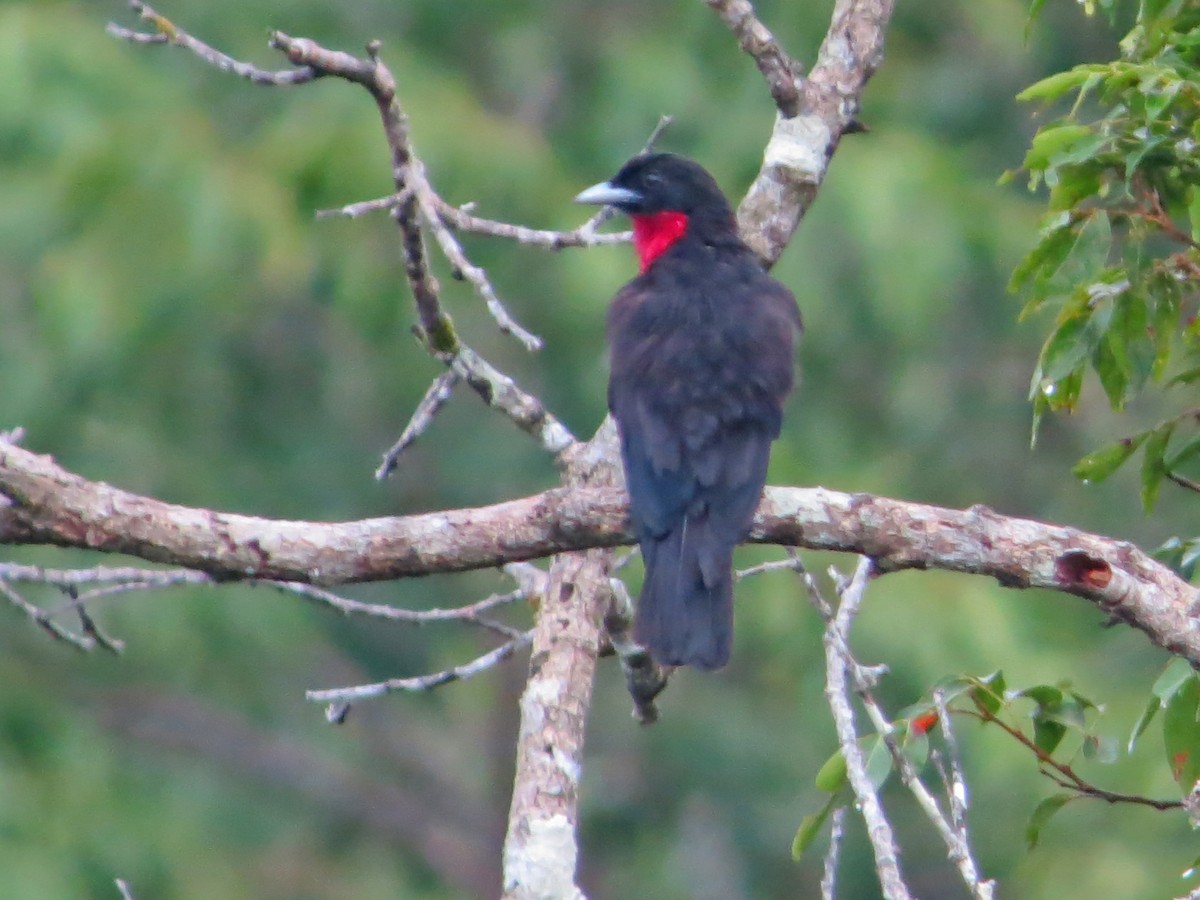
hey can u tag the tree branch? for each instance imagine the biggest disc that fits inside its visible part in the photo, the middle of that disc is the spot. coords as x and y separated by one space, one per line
42 503
754 38
797 155
837 692
541 849
167 32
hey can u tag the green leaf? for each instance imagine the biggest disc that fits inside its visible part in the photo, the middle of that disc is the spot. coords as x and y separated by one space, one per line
1173 677
1192 870
810 827
1051 88
1165 320
1042 813
988 692
879 763
1065 351
1154 468
1053 140
1043 694
1055 714
916 749
1193 196
1044 260
1189 376
1098 465
832 775
1100 748
1130 340
1181 733
1047 733
1189 450
1153 705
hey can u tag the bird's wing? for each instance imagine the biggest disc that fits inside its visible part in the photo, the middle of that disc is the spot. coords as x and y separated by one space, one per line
697 421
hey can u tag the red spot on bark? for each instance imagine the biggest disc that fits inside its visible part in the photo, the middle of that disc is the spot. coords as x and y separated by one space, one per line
1077 569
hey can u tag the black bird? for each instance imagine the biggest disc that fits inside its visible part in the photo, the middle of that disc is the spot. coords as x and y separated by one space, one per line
701 348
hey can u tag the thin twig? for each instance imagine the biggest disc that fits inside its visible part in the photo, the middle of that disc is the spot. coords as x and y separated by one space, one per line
43 621
584 236
829 872
364 207
503 393
954 834
471 613
1062 774
1184 482
93 631
423 683
64 578
459 218
123 887
436 397
473 274
956 782
780 70
837 692
169 32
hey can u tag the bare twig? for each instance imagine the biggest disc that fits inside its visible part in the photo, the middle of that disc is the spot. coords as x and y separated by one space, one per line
1184 482
502 393
169 32
583 236
829 871
463 267
436 397
364 207
95 633
471 613
85 642
779 69
837 692
423 683
75 578
123 887
952 775
459 218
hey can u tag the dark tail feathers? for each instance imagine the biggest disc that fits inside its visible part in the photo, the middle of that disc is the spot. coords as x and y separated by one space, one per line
685 614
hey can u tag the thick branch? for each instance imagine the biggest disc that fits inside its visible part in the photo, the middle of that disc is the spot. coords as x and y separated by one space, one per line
41 503
541 848
797 155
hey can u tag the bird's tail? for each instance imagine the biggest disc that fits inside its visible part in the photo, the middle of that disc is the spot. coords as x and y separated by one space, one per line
685 613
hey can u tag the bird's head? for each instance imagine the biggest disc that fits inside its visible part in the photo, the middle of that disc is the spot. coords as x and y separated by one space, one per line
666 196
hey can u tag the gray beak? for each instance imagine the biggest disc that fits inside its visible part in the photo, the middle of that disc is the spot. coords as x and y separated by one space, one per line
606 194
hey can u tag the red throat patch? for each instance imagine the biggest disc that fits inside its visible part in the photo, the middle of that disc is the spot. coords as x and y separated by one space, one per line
653 234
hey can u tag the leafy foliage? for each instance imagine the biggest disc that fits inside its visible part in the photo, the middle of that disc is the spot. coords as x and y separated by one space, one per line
1119 255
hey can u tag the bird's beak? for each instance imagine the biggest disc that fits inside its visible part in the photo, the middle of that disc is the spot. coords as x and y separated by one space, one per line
607 194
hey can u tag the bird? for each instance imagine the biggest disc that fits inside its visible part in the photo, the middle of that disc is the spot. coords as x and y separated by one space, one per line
701 354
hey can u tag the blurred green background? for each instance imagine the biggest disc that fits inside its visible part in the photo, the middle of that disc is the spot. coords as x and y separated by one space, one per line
175 322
